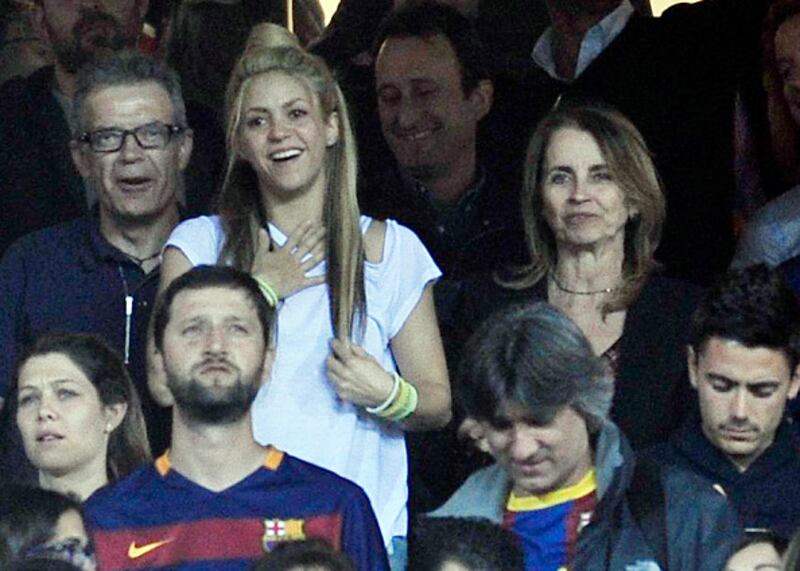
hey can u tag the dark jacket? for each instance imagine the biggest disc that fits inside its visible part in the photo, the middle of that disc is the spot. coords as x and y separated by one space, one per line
701 533
766 495
652 393
69 278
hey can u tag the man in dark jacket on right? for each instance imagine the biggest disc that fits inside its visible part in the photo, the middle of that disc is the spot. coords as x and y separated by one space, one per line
565 481
743 361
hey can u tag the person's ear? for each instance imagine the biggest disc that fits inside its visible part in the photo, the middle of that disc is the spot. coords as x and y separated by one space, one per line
157 379
80 159
481 99
691 364
794 383
115 414
185 149
332 129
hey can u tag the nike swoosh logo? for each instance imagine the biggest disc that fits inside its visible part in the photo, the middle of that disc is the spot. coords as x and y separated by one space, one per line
137 551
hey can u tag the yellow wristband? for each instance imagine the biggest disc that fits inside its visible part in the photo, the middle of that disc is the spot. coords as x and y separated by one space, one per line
267 291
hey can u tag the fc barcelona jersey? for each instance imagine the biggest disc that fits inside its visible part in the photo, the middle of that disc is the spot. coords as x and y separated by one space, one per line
158 519
548 526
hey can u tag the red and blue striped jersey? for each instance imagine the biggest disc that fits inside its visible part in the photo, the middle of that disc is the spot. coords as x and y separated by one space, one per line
158 519
548 526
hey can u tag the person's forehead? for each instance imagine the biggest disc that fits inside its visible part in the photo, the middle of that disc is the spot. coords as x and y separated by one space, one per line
49 367
754 362
414 57
213 302
138 102
512 411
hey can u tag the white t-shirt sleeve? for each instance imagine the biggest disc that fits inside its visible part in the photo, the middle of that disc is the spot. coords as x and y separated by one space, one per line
405 270
199 239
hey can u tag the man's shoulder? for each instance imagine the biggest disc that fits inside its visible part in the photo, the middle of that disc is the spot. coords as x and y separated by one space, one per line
124 494
317 479
62 241
481 495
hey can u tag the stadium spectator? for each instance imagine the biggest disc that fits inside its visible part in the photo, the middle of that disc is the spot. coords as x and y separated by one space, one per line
744 352
565 482
217 498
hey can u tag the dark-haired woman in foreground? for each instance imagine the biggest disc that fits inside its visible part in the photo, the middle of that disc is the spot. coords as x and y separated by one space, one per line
78 414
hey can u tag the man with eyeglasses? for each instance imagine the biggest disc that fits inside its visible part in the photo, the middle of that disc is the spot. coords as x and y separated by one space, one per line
99 273
39 184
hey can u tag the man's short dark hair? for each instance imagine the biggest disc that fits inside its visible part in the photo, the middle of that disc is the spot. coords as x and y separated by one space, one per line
475 543
536 357
203 277
126 68
427 19
306 554
752 306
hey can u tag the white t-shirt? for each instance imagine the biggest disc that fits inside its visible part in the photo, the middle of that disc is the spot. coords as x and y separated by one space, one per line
297 410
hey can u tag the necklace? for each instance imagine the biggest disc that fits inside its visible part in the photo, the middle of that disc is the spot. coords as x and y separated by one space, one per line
139 261
552 277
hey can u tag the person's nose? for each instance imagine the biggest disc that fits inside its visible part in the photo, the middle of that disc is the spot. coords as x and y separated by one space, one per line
47 409
407 113
579 189
131 150
524 443
278 130
739 405
215 341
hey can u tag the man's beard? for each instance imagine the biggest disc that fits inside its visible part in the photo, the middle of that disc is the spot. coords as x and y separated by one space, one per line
214 405
93 35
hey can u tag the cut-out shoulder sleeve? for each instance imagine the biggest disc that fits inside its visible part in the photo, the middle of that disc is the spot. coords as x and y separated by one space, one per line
374 239
402 274
199 239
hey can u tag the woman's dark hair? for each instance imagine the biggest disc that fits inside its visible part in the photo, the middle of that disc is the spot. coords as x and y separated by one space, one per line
28 518
474 543
308 553
127 444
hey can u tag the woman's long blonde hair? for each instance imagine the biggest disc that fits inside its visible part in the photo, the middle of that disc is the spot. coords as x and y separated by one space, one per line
240 206
631 166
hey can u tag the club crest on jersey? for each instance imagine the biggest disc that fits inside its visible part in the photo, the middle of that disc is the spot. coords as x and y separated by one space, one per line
279 530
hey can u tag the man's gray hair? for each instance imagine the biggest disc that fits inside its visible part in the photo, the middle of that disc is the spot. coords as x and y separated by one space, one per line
122 69
536 357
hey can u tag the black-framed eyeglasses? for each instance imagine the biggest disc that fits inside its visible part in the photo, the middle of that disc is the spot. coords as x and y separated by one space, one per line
154 135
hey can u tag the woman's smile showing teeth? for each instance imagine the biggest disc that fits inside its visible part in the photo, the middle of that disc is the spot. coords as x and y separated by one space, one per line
285 155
